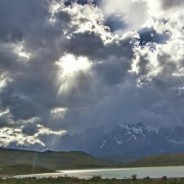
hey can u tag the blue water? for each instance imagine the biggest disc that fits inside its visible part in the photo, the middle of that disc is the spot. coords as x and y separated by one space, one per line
152 172
120 173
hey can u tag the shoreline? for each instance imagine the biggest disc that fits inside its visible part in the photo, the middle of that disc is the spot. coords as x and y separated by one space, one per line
118 173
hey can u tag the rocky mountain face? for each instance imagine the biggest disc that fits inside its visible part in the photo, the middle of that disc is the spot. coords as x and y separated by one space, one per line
125 140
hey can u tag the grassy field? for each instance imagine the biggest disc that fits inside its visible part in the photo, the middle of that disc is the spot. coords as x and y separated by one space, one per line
14 162
160 160
94 180
22 169
27 162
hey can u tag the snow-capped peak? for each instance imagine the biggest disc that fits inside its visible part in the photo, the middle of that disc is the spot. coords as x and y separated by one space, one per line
135 129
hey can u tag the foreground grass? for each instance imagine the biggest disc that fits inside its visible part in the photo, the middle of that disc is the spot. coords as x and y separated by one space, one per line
94 180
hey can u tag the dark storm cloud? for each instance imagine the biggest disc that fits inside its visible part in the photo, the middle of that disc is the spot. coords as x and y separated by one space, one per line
86 44
4 119
92 46
127 105
23 94
30 129
82 2
123 83
15 20
32 90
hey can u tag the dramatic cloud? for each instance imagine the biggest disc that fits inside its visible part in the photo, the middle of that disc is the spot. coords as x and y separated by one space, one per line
69 65
132 13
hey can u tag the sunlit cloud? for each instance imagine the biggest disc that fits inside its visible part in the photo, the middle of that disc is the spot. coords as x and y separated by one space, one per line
58 113
4 112
70 64
133 13
20 50
70 68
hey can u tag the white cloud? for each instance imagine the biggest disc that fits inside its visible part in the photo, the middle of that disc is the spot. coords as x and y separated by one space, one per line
15 137
58 113
3 81
133 13
12 135
20 50
165 60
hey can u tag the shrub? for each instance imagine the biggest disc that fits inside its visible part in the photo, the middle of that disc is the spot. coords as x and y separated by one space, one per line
147 178
96 178
164 178
134 177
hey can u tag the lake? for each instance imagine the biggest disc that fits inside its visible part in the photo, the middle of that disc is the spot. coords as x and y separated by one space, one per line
119 173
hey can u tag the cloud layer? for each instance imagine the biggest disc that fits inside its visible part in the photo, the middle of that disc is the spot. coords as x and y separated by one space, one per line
66 66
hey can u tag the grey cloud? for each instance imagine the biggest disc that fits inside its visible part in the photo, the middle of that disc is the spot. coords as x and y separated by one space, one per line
122 48
167 4
127 105
150 35
143 66
29 93
91 45
5 121
30 129
112 71
32 91
82 2
26 146
14 21
86 44
115 23
83 93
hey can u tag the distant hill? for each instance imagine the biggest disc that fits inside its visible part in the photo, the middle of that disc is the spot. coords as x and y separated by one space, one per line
26 162
160 160
47 161
23 169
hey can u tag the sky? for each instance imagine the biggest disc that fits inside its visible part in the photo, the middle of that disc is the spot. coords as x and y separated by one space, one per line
69 65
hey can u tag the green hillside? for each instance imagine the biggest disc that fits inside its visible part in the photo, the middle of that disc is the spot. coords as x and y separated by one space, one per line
23 169
25 162
47 160
160 160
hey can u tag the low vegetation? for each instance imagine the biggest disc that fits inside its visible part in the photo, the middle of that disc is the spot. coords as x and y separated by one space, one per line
22 169
27 162
94 180
16 162
160 160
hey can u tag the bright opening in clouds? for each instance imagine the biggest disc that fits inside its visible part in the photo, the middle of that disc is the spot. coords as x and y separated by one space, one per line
69 64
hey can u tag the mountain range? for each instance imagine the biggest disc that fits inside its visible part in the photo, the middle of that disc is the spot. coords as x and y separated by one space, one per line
120 143
125 141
